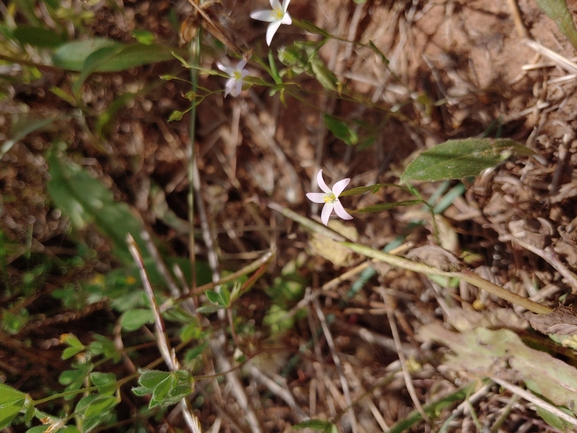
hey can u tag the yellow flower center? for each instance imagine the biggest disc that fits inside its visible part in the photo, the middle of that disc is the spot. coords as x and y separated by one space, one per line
278 13
329 198
237 75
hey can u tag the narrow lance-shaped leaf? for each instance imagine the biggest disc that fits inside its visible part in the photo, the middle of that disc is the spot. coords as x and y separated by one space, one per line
456 159
86 200
558 11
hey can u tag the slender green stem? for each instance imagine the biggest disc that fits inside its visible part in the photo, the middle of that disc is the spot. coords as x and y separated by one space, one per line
465 275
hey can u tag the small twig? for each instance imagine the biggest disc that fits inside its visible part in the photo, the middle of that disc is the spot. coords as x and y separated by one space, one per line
168 355
547 254
279 391
403 360
252 267
160 265
505 412
338 364
521 30
535 400
560 60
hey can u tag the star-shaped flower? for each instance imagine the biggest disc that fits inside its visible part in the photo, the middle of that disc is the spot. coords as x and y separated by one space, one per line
330 198
234 83
277 16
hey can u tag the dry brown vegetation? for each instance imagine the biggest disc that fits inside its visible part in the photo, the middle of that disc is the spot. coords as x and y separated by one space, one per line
365 360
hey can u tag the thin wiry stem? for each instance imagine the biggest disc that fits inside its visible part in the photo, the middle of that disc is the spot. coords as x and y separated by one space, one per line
338 365
168 355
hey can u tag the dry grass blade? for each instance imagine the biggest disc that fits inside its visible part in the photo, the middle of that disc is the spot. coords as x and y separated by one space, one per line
406 374
167 353
338 365
560 60
535 400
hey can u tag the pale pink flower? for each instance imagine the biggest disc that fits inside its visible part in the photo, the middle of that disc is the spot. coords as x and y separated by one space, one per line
277 16
330 198
234 83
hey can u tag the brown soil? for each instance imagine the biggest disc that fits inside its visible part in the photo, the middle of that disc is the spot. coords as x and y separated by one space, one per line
456 69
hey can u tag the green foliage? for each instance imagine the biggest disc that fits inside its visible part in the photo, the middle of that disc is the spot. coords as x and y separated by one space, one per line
341 130
95 409
23 125
166 387
39 37
301 57
131 320
11 402
317 424
106 55
456 159
558 11
13 323
86 200
118 57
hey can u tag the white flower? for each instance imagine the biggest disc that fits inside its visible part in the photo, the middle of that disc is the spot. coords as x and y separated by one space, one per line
234 83
330 198
277 16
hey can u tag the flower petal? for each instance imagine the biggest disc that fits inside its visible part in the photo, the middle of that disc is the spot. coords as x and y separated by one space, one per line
321 183
237 88
226 69
285 6
340 186
241 65
263 16
275 4
326 213
229 86
316 197
340 211
271 30
286 19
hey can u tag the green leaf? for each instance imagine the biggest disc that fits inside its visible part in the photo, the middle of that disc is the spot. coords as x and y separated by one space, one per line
208 309
23 126
72 55
371 188
175 116
315 424
95 405
190 331
38 429
134 319
9 395
311 28
558 11
386 206
456 159
106 55
302 57
151 378
165 387
106 382
72 341
217 298
341 130
144 37
11 402
69 352
553 420
86 200
13 323
38 37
